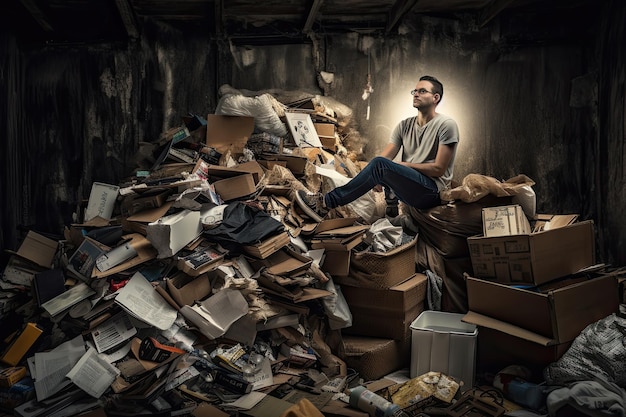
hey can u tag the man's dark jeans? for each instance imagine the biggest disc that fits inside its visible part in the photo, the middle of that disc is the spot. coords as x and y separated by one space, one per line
409 185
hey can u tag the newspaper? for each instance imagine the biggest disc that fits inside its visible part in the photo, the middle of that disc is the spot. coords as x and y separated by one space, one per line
113 332
93 374
49 368
139 298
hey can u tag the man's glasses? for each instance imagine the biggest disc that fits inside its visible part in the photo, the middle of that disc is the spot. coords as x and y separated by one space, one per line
421 91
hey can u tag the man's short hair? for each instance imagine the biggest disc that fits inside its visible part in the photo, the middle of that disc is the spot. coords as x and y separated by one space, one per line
437 86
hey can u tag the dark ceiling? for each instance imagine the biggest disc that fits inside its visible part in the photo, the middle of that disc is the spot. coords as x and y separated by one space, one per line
241 21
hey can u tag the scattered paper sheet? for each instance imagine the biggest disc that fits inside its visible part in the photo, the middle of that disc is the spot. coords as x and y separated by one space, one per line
215 315
139 298
113 332
51 367
93 374
246 402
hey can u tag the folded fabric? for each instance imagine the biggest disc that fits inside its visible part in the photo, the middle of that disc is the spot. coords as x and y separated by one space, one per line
594 398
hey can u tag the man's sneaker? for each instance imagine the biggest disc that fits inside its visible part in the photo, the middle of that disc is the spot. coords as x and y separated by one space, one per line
312 205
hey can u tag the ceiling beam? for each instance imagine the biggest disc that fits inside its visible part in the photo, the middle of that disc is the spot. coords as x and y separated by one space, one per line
315 8
492 10
38 15
398 10
128 18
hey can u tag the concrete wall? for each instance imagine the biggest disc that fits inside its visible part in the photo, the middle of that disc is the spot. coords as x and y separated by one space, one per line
532 96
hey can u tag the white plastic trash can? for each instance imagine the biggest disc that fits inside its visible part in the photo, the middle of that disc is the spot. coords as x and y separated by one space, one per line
441 342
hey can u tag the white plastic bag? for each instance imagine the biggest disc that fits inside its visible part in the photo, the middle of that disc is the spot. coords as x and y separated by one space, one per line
336 307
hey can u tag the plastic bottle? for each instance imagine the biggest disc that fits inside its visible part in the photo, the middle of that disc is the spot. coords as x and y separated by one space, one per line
526 393
521 391
373 404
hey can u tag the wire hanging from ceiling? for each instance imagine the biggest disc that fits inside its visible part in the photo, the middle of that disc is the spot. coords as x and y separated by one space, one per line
368 90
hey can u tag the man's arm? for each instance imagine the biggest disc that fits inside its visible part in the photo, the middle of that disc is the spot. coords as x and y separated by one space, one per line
390 151
438 167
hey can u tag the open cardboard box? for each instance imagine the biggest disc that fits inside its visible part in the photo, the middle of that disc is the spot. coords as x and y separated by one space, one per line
553 316
534 258
38 249
296 164
185 289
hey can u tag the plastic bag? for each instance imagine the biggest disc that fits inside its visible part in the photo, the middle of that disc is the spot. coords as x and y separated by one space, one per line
476 186
260 107
336 307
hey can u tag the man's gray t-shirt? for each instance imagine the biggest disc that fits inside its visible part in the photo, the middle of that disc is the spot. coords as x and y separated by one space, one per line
420 143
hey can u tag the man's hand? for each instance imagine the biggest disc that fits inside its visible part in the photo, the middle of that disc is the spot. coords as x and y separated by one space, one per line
378 188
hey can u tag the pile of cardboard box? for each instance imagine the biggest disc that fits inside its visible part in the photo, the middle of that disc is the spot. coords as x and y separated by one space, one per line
198 281
532 291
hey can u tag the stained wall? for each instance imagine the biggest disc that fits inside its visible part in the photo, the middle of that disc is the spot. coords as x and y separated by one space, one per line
532 96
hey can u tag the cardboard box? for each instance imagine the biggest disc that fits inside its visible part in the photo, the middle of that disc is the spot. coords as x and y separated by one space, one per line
149 198
497 350
381 270
235 187
185 289
505 221
226 133
325 130
296 164
216 172
326 133
392 313
139 222
553 316
38 249
336 262
374 357
337 244
21 345
171 233
534 258
442 342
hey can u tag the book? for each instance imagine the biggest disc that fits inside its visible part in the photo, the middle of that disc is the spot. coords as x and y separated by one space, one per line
268 246
48 284
67 299
200 261
83 260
